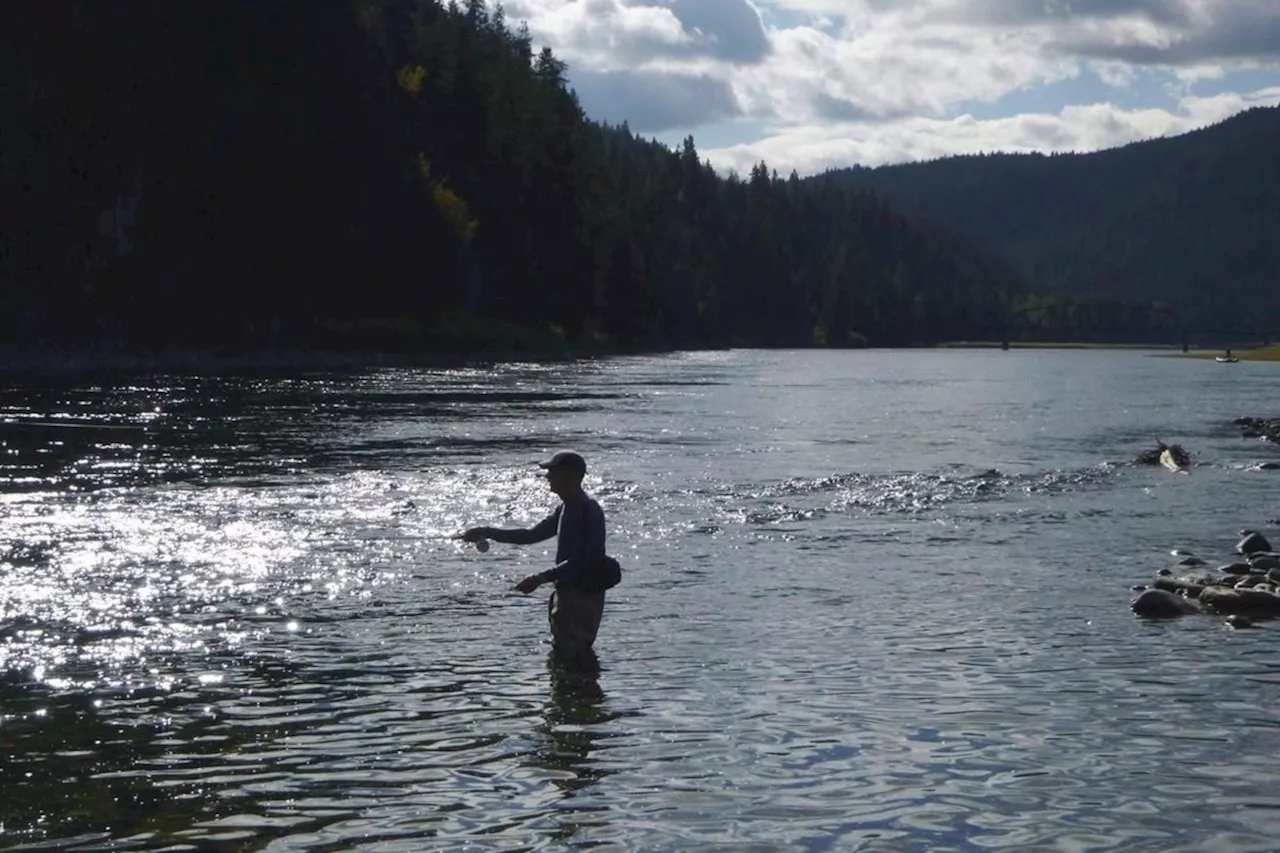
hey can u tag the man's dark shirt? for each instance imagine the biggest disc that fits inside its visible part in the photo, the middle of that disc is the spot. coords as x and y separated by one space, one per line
578 524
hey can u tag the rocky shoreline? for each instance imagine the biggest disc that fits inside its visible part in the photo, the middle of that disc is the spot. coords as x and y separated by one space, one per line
1243 590
1246 589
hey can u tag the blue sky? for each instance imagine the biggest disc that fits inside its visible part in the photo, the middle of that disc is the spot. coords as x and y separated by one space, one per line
816 84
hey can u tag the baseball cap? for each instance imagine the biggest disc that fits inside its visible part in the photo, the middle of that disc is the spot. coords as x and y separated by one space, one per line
566 459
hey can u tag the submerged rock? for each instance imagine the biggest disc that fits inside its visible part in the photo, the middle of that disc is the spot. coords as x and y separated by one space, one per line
1251 542
1265 428
1240 600
1190 584
1264 561
1247 588
1162 604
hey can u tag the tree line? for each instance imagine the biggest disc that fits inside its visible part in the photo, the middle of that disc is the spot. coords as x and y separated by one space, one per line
1188 221
412 175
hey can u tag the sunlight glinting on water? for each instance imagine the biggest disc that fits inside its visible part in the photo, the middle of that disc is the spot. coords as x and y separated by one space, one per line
248 624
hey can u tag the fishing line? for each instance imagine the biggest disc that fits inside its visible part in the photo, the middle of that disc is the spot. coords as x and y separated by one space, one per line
59 425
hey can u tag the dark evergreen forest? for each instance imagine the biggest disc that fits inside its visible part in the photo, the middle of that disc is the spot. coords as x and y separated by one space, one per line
1191 222
410 176
403 175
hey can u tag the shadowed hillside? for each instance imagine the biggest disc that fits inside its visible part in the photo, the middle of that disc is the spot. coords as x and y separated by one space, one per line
1192 220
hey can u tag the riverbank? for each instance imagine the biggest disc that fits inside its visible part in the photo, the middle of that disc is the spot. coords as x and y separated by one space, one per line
1271 353
42 362
1050 345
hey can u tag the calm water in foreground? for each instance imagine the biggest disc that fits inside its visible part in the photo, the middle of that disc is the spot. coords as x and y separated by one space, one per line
873 601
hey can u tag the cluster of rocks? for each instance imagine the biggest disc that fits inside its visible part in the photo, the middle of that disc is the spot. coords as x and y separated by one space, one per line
1267 428
1243 590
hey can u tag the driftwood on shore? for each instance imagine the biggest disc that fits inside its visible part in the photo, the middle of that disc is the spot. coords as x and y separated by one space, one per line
1152 456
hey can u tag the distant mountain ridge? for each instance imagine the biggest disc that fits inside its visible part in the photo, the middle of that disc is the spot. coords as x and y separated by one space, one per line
1191 220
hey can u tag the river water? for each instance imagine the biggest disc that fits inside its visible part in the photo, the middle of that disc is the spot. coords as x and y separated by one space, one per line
873 601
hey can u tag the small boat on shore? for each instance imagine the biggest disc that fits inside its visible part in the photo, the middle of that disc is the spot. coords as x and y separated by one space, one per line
1226 359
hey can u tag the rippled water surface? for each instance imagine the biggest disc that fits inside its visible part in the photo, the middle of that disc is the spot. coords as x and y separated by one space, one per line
872 601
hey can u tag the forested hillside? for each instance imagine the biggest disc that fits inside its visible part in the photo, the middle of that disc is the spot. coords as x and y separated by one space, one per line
1193 220
399 174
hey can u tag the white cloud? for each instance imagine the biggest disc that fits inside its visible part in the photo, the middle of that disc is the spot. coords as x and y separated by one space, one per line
886 73
601 34
1196 73
887 79
1202 111
1202 31
814 148
619 35
1116 74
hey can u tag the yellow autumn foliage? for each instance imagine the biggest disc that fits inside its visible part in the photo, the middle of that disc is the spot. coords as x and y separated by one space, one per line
410 78
453 209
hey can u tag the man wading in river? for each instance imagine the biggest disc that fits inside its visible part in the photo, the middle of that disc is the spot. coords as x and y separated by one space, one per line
577 604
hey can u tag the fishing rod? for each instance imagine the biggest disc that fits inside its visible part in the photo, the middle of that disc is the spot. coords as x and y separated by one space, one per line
482 545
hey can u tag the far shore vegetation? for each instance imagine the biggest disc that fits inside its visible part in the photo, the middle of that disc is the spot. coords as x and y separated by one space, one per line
1267 353
1204 353
422 186
1054 345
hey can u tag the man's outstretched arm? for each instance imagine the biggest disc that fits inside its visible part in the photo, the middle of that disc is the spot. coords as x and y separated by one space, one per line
542 531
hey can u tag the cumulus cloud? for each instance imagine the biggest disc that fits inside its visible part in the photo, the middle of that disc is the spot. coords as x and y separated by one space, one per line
1217 32
598 34
1021 12
730 29
892 72
652 102
657 64
624 34
883 80
814 148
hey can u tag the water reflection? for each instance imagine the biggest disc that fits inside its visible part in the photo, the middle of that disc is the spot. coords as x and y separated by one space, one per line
568 755
575 705
82 770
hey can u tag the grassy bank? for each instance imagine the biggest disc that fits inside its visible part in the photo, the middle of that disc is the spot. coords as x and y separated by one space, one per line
1271 353
1050 345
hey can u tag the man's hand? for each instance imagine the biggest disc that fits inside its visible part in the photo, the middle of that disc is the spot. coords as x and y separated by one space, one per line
475 534
529 584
